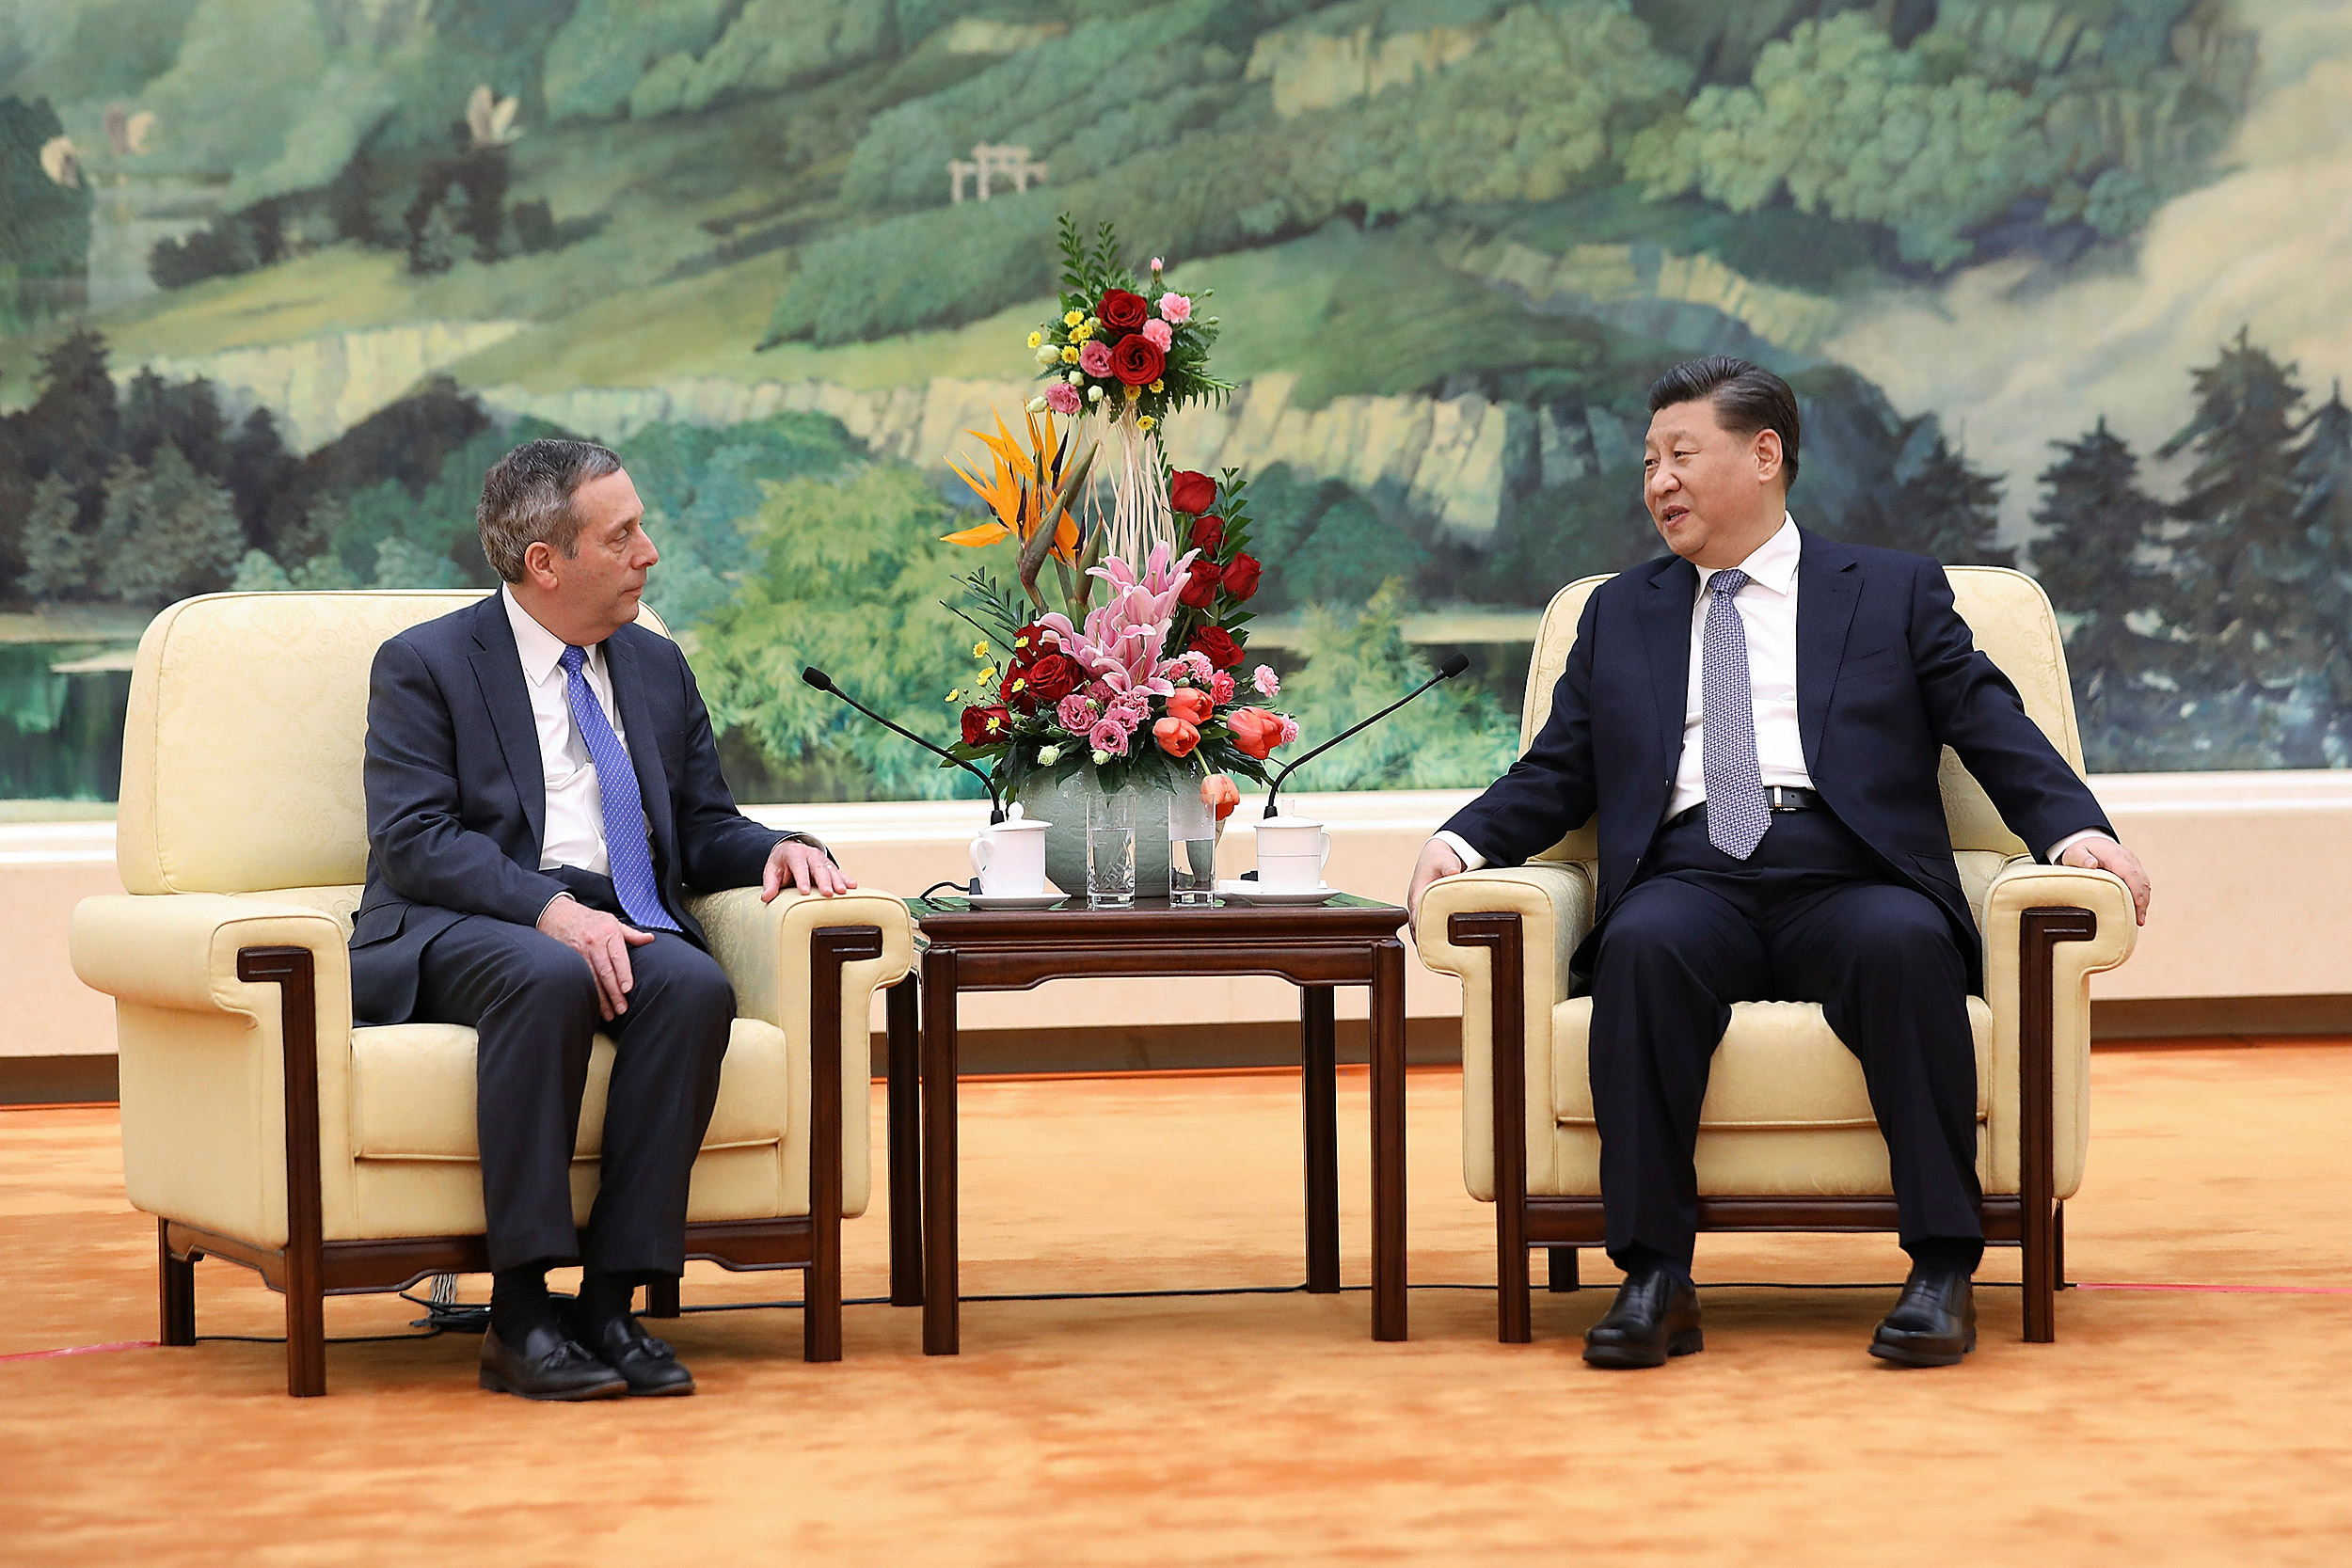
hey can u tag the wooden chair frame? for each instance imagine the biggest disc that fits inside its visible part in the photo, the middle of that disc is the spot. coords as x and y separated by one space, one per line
2032 1219
308 1268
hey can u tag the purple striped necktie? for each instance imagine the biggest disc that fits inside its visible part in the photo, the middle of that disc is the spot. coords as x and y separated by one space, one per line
1737 810
627 856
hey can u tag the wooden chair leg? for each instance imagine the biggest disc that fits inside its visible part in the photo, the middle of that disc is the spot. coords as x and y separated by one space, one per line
1564 1275
1514 1308
175 1290
294 973
2058 1246
821 1286
2042 930
662 1297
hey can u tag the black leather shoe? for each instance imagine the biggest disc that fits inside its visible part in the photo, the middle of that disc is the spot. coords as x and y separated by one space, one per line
649 1366
1656 1315
1934 1324
546 1366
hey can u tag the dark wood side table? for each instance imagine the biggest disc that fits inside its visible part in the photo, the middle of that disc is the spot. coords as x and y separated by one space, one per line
1345 941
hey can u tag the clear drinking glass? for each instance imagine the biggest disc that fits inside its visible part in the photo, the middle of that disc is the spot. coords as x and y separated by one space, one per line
1111 850
1191 849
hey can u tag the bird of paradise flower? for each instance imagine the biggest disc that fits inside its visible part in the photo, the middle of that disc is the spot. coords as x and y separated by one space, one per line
1030 490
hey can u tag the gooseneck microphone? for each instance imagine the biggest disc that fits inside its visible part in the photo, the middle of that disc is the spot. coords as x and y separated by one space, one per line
823 682
1453 666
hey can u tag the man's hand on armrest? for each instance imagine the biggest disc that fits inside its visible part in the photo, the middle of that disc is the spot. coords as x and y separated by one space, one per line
804 867
603 941
1438 858
2104 854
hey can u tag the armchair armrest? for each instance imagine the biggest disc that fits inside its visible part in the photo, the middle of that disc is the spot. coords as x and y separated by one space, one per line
1553 899
232 1015
2076 922
1465 929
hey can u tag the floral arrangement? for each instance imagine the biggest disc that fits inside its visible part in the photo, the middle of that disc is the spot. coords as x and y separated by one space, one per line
1143 688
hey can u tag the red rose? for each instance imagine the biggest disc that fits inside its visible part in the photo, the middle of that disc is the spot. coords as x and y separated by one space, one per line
1123 312
1219 645
984 726
1054 676
1018 693
1191 492
1240 576
1199 590
1207 532
1137 360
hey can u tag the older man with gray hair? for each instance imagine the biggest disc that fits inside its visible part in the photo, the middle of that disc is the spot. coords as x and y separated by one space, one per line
542 793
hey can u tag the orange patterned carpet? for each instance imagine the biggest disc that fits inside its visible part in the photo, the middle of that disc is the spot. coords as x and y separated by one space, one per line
2165 1427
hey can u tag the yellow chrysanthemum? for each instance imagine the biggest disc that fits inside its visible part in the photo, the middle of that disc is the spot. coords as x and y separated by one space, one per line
1073 318
1134 392
1159 386
1146 422
1081 332
979 649
985 676
1036 338
957 695
1068 355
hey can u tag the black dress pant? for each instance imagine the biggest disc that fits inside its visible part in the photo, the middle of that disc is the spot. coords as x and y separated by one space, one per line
1811 916
533 1002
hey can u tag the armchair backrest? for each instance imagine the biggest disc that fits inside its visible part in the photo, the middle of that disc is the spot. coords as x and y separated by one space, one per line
2014 626
242 749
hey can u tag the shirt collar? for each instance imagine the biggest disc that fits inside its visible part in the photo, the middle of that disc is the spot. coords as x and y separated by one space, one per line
542 651
1773 564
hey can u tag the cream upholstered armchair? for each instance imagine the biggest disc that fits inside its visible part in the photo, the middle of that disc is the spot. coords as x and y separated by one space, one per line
1786 1139
259 1125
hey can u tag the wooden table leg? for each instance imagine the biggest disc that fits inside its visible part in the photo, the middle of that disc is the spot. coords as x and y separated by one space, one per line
1388 1141
941 1298
905 1071
1320 1114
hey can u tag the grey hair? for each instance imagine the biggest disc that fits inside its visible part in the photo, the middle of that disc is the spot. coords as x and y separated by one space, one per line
527 497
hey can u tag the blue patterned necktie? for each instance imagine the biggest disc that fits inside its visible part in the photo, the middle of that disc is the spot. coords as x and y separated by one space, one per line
626 851
1737 811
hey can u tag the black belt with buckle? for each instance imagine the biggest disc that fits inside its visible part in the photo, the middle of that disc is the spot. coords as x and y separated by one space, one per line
1778 796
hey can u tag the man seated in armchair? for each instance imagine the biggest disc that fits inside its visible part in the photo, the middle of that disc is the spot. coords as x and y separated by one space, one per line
543 792
1757 720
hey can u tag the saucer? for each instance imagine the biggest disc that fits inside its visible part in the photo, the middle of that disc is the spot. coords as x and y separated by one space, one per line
1013 900
1250 892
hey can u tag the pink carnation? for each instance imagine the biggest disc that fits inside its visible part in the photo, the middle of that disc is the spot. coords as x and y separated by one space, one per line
1077 713
1094 358
1108 736
1062 398
1290 729
1221 689
1265 680
1175 307
1159 333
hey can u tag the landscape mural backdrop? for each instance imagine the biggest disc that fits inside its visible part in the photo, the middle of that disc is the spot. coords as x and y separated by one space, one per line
2062 284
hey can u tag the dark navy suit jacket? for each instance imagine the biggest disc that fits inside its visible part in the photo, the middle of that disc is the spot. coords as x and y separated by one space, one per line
1888 675
457 793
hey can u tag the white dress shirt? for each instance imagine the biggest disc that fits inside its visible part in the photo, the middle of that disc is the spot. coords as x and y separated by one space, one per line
575 810
1767 606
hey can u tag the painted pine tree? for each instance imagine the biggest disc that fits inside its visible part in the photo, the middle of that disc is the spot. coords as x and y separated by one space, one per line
2322 477
2094 556
2244 569
1947 509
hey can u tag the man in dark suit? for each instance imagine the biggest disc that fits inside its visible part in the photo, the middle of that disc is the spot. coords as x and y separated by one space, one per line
1757 720
542 793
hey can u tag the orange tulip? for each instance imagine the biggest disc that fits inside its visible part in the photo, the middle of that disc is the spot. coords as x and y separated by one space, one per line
1218 791
1190 706
1256 731
1176 737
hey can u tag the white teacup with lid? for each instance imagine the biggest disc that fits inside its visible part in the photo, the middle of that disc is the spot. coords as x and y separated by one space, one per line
1292 851
1010 857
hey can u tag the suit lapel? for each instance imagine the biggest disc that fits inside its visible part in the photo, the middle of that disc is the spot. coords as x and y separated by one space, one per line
499 669
637 719
1666 611
1829 585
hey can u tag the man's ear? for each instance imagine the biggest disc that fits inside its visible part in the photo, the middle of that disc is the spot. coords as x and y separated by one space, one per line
1768 454
539 565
